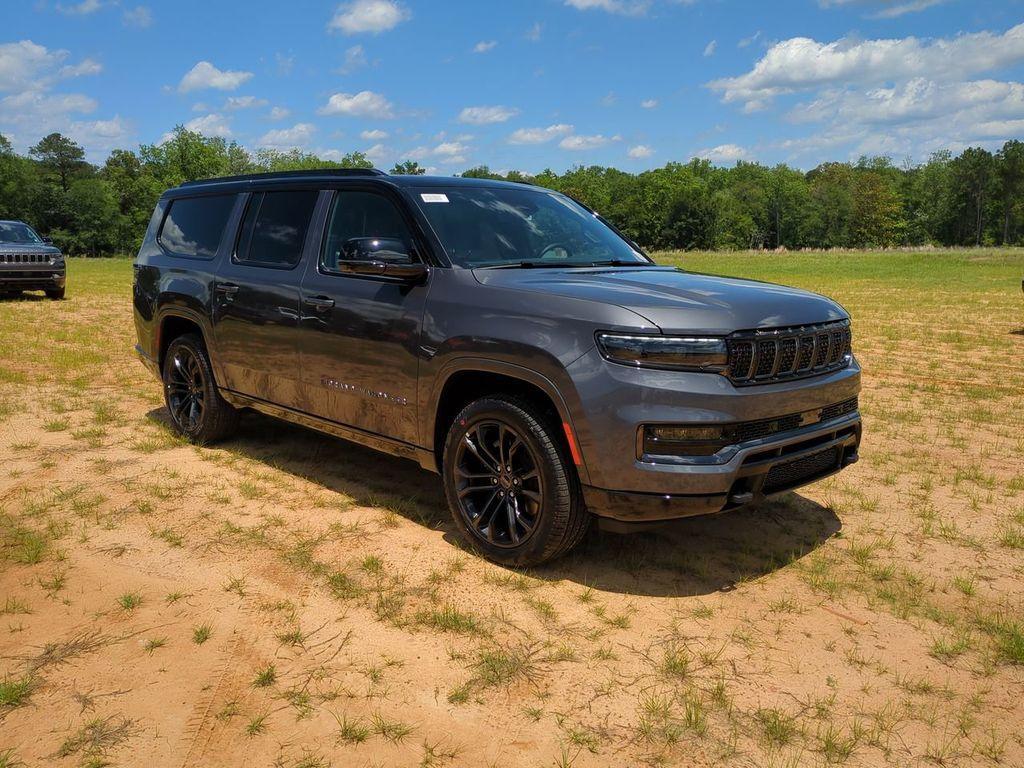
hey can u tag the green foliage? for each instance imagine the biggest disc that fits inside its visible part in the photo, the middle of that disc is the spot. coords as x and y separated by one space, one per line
976 198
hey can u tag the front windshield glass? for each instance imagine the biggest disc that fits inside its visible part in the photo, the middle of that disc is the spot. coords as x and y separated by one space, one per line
15 232
495 226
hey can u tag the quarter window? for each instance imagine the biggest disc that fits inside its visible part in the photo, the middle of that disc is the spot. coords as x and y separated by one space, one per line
275 226
360 214
193 226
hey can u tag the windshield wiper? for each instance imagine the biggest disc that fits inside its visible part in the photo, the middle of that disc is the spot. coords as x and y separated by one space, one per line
535 265
620 263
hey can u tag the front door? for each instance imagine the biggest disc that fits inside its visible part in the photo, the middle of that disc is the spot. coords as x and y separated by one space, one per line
256 301
361 333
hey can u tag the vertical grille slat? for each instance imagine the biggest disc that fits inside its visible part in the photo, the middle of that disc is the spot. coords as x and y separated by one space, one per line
767 355
24 258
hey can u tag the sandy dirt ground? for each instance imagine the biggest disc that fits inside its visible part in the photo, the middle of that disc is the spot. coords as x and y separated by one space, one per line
287 599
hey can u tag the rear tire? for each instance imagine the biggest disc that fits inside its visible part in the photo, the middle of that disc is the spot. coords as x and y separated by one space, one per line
511 488
198 412
57 294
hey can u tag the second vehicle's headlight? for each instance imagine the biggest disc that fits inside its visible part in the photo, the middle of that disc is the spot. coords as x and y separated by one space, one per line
667 352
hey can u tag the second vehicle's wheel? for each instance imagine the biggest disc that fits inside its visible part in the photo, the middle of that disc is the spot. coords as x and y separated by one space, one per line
55 293
512 490
197 410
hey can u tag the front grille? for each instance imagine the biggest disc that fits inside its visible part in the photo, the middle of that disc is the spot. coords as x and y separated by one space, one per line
24 258
793 473
781 354
752 430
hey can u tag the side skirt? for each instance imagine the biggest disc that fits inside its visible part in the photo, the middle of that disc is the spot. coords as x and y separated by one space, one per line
377 442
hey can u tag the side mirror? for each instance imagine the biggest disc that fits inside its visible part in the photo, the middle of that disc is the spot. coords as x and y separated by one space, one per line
48 240
388 257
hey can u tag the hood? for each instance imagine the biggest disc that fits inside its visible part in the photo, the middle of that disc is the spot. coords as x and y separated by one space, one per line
677 301
28 248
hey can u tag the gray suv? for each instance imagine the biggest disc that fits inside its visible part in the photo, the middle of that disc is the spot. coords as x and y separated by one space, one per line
29 262
502 335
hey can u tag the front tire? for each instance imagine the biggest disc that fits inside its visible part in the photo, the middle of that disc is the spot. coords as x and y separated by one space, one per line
57 294
512 491
198 412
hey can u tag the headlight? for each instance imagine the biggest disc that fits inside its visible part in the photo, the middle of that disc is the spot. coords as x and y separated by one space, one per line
668 352
57 258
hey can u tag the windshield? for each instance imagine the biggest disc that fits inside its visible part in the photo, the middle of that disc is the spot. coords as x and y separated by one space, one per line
16 232
495 226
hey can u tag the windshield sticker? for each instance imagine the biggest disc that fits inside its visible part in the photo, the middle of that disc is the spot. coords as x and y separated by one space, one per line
434 197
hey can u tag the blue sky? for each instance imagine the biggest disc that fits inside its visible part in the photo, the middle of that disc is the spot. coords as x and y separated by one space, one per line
527 84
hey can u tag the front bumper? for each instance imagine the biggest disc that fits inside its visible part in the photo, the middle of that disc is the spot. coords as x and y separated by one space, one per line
622 485
759 469
35 279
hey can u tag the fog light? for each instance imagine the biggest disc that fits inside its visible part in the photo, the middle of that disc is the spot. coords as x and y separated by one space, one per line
682 440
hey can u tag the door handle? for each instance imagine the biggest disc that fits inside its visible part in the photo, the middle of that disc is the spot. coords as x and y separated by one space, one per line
320 303
228 289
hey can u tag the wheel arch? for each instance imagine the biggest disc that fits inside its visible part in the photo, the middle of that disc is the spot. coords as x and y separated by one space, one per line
175 321
468 379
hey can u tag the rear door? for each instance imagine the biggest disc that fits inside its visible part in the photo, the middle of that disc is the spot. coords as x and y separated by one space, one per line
256 296
361 333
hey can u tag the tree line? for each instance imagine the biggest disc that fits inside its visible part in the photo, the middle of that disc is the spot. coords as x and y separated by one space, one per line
974 198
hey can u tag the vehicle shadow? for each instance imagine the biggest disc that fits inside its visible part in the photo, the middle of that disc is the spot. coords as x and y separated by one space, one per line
693 556
12 297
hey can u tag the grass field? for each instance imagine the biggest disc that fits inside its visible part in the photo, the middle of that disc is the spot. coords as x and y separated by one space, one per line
286 599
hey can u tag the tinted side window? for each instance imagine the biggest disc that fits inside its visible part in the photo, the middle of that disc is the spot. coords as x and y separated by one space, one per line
360 214
275 226
193 226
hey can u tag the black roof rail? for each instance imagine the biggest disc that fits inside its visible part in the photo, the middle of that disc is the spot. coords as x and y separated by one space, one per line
311 173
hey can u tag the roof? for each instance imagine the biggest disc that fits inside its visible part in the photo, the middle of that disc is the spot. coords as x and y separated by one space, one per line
339 174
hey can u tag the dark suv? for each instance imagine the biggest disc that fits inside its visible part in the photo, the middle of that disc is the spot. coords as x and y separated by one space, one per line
502 335
29 262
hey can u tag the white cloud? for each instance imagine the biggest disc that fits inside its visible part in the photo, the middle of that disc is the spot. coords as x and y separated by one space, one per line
99 135
362 104
801 63
887 9
285 63
487 115
724 153
375 135
640 151
298 136
139 16
213 124
206 75
372 16
235 103
709 49
484 46
80 9
29 66
30 109
40 111
355 58
539 135
450 148
749 40
279 113
377 153
452 152
581 143
533 34
649 103
84 67
623 7
914 117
